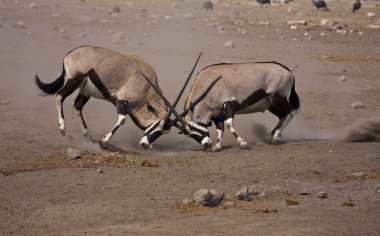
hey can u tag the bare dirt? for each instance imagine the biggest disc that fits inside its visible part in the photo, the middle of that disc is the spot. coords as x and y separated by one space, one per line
140 192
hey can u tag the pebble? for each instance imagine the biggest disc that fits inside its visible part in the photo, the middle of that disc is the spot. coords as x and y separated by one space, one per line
229 44
73 153
116 9
358 175
371 14
208 6
341 32
229 204
19 25
326 22
117 38
4 102
377 189
186 201
322 194
32 5
296 187
202 196
357 105
100 170
342 78
293 27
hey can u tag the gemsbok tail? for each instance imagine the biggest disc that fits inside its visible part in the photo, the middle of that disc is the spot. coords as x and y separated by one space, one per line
293 98
53 87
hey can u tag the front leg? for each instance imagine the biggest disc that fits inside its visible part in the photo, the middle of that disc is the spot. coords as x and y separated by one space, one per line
121 108
219 129
230 108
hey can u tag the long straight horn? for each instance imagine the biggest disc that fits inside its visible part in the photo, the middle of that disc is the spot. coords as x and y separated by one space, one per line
183 122
183 86
200 98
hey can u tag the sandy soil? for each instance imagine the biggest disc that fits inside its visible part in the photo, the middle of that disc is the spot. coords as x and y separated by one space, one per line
43 192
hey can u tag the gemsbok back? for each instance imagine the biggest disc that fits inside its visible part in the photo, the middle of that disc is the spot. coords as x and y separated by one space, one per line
128 82
243 88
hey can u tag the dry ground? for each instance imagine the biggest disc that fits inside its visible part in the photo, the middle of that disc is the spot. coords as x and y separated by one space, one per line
43 192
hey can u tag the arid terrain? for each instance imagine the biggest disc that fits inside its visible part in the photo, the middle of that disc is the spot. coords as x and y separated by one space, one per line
335 57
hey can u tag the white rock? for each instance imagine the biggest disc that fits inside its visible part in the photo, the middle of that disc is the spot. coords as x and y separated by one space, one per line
117 38
358 175
202 196
371 14
326 22
73 153
322 194
374 26
100 170
19 25
341 32
357 105
229 44
32 5
82 35
342 78
377 189
186 201
293 27
4 102
360 33
323 34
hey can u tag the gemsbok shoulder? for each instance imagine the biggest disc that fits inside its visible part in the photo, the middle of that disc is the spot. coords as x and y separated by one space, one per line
243 88
127 81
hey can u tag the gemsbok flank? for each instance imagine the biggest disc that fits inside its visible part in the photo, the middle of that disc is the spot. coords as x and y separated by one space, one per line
244 88
124 80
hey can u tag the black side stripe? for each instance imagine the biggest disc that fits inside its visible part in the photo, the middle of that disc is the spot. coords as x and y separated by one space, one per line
95 79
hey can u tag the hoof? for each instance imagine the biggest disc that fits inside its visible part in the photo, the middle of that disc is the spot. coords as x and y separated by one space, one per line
216 148
242 143
62 131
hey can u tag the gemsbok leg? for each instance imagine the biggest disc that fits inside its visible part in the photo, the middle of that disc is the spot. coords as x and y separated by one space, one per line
71 85
284 111
79 103
230 108
219 130
121 108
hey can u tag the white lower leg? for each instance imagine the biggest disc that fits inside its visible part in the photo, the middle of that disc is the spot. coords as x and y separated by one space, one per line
218 145
61 121
277 134
120 122
239 139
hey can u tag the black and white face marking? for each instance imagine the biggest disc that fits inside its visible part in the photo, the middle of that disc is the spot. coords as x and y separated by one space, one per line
199 133
153 132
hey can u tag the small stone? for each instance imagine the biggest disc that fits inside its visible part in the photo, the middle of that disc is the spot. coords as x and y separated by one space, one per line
326 22
360 33
377 189
296 187
229 44
293 27
322 194
263 194
73 153
358 175
371 14
116 9
341 32
100 171
323 34
19 25
357 105
309 38
32 5
4 102
244 194
342 78
348 202
229 204
256 189
186 201
82 35
117 38
216 199
208 6
291 202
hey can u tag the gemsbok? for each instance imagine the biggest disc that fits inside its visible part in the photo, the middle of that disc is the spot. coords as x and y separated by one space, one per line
244 88
127 81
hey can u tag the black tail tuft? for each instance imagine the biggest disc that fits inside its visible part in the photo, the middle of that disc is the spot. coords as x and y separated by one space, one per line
293 98
53 87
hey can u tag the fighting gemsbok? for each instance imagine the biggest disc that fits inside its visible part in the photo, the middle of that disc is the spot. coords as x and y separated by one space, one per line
243 88
124 80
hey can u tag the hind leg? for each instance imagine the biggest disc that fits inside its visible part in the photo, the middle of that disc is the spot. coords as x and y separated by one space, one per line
79 103
70 86
219 129
284 111
121 108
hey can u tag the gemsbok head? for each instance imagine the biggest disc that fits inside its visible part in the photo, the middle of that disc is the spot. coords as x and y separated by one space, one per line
243 88
127 81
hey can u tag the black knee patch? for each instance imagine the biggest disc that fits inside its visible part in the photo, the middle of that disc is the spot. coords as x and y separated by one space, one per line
121 107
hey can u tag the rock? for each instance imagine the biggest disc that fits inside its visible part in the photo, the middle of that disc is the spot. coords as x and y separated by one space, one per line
73 153
263 194
322 194
32 5
296 187
291 202
229 44
374 26
297 22
326 22
323 34
4 102
202 196
342 78
217 197
244 194
256 189
357 105
360 33
341 32
208 198
293 27
208 6
377 189
19 25
358 175
186 201
371 14
100 171
117 38
116 9
82 35
229 204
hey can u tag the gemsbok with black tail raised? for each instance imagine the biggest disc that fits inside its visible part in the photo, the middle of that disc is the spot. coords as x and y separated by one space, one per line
243 88
124 80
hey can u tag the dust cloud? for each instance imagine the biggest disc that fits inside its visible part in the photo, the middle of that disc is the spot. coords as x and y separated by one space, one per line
367 130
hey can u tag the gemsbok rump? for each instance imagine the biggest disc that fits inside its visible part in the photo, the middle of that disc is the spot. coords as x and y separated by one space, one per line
243 88
124 80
